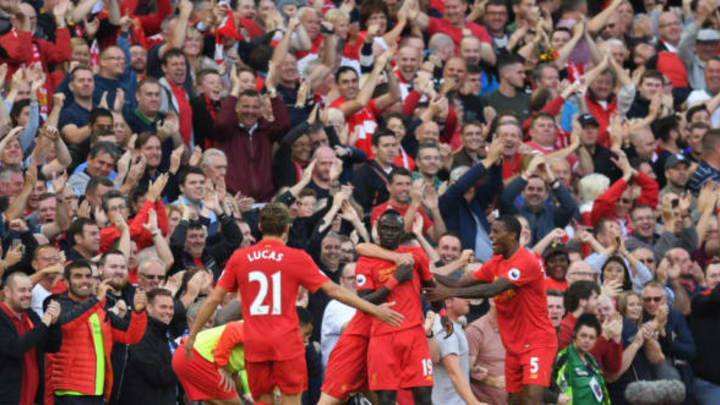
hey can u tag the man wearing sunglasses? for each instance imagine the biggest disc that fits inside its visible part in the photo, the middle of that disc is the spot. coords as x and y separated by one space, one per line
673 334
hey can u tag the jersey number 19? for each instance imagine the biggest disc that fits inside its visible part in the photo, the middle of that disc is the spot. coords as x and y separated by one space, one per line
257 307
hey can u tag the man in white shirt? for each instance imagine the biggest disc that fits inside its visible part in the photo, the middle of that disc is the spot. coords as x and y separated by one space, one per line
337 315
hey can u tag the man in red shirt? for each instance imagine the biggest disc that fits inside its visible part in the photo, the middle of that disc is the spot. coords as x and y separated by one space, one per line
515 277
582 298
398 356
400 191
453 23
346 371
267 276
358 106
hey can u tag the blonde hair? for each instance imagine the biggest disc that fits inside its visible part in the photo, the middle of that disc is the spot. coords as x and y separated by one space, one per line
592 185
334 13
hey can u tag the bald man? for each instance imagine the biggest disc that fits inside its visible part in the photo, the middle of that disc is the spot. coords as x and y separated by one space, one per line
322 175
580 270
24 339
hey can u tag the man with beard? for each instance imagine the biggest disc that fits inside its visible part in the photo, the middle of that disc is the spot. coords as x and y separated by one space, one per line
80 372
582 298
670 142
510 95
677 175
542 217
406 198
25 337
85 237
149 377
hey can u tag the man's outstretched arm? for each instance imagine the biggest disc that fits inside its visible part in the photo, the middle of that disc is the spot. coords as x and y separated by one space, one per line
483 290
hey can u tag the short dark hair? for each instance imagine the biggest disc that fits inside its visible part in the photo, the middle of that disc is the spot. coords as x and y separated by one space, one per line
248 93
381 132
110 252
425 145
96 181
511 224
110 195
398 171
343 69
172 53
274 219
539 115
694 109
103 147
662 127
147 80
304 316
158 292
651 74
99 112
188 171
579 290
77 264
143 138
588 320
509 60
76 228
554 292
79 68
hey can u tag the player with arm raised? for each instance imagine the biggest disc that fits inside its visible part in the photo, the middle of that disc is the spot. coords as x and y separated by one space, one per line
515 278
267 276
398 357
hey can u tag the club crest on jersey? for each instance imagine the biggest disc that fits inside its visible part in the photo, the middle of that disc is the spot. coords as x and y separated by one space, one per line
360 280
514 274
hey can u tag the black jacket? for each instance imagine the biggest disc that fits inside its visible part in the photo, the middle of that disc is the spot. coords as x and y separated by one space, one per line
149 377
705 328
13 348
215 254
370 183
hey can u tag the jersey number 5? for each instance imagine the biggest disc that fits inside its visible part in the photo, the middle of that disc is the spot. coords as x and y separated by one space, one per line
257 307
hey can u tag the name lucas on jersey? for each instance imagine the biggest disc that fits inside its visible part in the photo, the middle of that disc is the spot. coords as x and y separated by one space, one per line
264 254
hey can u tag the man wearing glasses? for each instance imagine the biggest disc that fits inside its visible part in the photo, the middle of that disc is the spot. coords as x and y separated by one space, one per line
672 334
48 270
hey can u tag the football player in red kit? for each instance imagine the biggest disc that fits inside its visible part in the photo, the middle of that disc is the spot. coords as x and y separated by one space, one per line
516 279
346 371
267 276
398 357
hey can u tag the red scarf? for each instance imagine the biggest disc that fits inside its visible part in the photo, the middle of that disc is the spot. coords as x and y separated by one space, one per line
184 111
30 373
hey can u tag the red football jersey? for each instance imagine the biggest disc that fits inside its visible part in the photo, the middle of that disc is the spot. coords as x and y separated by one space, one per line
406 295
521 311
268 275
365 122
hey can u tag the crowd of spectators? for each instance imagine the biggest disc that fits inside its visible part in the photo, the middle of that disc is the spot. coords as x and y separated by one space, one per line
139 138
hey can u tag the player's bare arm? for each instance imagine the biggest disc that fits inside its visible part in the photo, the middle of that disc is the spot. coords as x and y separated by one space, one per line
382 312
466 280
402 274
211 303
481 290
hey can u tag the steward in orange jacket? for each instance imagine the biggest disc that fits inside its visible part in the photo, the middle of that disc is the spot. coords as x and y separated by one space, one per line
82 367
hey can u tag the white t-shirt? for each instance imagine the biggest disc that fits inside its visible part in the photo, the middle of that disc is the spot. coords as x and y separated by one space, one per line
39 293
335 316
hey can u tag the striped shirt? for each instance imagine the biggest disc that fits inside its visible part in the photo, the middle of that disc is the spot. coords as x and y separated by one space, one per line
703 173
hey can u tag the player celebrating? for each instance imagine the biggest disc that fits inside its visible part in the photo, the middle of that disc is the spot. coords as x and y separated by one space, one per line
515 278
398 357
346 371
267 276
